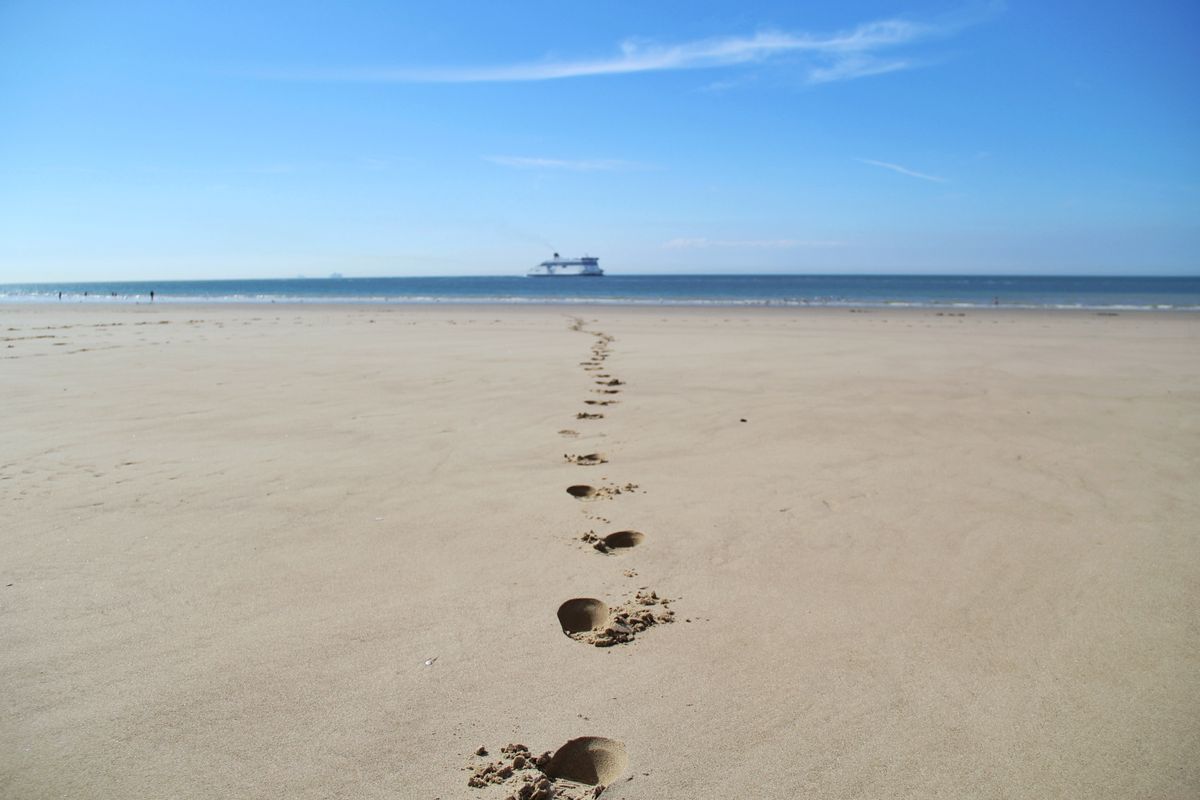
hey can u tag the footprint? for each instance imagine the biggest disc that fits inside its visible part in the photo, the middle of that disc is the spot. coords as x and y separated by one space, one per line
579 769
586 415
601 402
568 433
606 391
582 491
590 760
613 382
624 539
620 540
586 460
582 615
588 620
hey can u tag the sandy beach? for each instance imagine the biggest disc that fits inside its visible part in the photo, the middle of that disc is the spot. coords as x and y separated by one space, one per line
272 551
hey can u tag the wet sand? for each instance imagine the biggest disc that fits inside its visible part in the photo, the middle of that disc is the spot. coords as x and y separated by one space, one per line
281 551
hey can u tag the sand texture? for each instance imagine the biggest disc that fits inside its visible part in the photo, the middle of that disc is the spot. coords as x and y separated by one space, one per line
357 552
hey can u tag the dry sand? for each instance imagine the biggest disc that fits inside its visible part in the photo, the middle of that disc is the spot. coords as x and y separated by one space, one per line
313 552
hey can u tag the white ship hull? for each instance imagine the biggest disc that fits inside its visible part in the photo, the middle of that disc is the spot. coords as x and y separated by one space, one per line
586 267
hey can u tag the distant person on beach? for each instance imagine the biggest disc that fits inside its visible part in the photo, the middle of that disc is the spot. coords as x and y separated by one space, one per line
60 296
151 295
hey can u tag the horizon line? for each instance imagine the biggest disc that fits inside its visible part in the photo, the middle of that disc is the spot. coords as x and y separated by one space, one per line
893 274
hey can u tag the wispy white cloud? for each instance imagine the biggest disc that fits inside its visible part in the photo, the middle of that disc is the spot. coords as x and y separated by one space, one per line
586 165
821 57
859 66
727 84
912 173
702 243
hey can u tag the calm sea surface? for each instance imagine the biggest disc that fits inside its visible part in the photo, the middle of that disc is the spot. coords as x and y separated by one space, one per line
775 290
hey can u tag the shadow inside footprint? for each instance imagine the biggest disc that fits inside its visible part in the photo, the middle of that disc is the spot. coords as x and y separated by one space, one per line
581 491
590 760
622 539
582 614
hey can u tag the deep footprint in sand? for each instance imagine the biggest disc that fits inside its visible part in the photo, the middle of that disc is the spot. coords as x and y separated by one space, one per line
582 614
621 540
586 460
590 760
613 382
581 768
586 415
588 620
601 402
582 491
606 391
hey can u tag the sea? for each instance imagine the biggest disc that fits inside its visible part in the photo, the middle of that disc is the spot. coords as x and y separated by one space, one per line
919 291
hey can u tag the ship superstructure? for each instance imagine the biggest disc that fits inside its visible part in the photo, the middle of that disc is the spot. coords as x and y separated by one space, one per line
585 267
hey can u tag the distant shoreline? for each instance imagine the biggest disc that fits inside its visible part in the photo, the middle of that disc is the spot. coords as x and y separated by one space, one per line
698 291
635 311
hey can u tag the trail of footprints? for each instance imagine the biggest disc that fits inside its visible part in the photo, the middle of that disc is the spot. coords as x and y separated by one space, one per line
583 767
588 619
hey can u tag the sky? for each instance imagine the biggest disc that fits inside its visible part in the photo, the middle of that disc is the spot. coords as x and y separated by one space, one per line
192 140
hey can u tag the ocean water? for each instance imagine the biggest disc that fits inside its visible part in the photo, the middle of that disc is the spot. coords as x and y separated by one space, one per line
961 291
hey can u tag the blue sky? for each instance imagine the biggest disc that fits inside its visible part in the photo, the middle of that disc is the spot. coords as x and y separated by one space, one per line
159 140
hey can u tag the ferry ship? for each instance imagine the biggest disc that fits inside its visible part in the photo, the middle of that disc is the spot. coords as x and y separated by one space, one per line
559 267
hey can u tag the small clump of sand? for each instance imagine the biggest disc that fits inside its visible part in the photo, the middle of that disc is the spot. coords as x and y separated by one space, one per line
586 459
